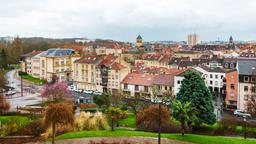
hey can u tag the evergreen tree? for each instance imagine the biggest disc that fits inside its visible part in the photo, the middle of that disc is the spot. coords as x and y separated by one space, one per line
194 90
3 59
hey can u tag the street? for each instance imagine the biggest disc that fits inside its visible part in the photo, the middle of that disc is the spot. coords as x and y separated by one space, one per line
31 93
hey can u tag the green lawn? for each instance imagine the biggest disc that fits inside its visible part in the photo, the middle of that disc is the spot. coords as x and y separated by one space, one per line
129 121
200 139
21 119
33 79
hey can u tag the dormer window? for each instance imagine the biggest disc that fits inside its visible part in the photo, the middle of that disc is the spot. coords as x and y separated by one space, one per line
246 79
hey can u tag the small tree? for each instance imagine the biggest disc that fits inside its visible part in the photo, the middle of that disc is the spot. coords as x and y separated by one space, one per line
58 113
115 114
251 106
3 82
135 103
148 118
56 92
184 113
102 101
4 105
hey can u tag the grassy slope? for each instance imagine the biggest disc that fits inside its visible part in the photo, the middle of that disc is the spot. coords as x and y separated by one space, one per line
32 79
21 119
129 121
200 139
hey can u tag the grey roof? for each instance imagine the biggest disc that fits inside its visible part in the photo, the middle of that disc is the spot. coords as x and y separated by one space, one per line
57 52
246 66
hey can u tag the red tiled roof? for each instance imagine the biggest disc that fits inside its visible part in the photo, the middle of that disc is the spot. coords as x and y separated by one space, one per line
117 66
31 54
88 59
167 80
108 60
139 79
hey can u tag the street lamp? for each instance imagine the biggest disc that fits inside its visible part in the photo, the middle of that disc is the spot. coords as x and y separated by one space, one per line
160 96
245 120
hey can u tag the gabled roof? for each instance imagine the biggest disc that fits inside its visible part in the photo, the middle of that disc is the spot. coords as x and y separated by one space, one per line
139 79
246 66
167 80
117 66
58 52
216 70
108 60
88 59
31 54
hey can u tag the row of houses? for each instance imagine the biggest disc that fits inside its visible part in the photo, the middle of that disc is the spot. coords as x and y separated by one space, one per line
231 80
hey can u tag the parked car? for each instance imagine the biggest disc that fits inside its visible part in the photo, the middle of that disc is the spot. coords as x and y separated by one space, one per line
10 93
240 113
88 91
97 93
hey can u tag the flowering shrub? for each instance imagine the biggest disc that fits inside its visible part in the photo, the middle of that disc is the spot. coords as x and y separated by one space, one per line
56 91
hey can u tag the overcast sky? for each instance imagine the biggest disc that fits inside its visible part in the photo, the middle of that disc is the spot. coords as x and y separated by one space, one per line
125 19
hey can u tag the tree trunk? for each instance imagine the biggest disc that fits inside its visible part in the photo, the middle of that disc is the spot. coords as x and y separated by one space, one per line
53 132
183 129
112 124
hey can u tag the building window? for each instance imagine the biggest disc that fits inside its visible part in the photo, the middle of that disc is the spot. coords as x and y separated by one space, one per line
210 82
178 81
136 87
246 88
246 79
216 76
210 75
232 86
146 89
216 82
231 65
221 77
253 79
246 97
125 86
232 94
166 87
253 89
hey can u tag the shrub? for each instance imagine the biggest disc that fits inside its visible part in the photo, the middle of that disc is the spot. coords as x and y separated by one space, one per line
91 121
12 126
147 120
85 106
35 128
60 129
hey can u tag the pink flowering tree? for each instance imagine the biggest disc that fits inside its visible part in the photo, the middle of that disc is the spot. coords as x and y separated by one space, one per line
56 91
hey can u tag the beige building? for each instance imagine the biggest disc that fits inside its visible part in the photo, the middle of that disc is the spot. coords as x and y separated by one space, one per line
58 62
85 72
193 39
26 61
155 60
110 72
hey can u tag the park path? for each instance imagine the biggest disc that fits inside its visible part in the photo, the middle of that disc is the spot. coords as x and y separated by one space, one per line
117 140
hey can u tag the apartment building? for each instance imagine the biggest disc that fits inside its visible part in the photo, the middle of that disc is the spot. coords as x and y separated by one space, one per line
144 84
26 61
58 62
110 72
155 60
247 81
85 72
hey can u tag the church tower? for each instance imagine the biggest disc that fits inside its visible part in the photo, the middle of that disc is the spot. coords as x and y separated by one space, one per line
139 41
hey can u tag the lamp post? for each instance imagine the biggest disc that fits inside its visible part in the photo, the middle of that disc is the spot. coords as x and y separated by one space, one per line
245 120
21 83
159 95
